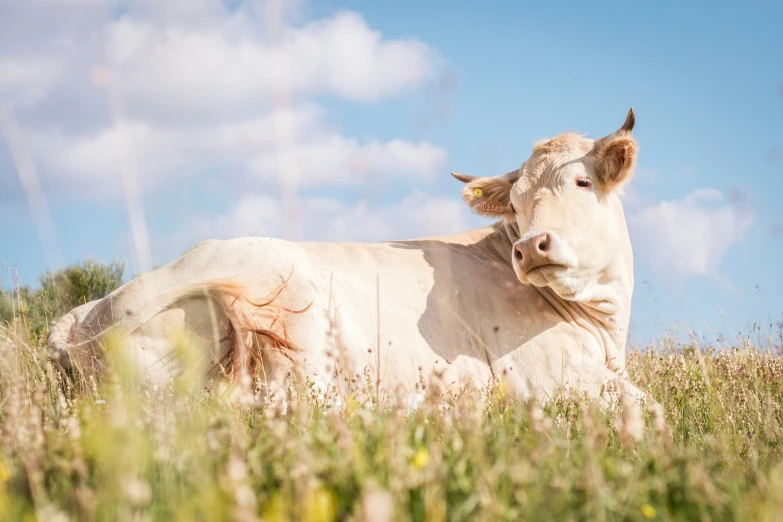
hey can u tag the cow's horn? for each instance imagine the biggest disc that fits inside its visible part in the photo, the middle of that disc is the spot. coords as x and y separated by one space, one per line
630 121
626 129
464 177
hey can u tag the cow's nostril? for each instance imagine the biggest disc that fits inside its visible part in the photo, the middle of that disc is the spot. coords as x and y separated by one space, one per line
518 254
543 243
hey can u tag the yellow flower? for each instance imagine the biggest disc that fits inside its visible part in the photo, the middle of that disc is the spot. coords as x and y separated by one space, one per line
4 474
351 405
503 388
648 511
275 510
318 506
421 458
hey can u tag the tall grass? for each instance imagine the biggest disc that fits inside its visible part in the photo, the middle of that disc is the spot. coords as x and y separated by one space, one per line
121 451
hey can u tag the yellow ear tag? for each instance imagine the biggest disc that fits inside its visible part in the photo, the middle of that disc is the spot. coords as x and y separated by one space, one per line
478 192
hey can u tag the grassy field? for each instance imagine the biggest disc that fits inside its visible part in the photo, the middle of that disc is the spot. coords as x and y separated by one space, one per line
710 451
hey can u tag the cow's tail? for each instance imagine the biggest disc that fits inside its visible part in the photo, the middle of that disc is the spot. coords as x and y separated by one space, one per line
251 322
254 322
66 339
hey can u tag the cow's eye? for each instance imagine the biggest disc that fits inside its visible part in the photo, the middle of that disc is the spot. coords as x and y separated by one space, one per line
583 183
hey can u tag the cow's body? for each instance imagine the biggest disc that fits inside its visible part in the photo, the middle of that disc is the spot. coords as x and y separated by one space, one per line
393 312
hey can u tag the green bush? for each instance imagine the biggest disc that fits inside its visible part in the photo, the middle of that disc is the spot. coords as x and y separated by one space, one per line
60 292
6 307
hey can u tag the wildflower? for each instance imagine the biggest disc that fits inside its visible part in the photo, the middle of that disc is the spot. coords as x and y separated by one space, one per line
648 511
377 505
412 401
137 492
421 458
242 393
503 389
540 422
235 482
437 386
237 470
245 497
624 469
630 425
659 421
275 510
51 513
319 506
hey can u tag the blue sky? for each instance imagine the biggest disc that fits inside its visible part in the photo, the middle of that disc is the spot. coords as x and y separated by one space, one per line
382 103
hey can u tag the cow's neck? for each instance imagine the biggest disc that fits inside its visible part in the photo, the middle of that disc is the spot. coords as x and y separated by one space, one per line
605 315
609 329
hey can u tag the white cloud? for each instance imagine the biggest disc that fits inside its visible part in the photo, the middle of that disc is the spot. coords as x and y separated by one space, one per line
202 86
247 149
330 158
30 70
230 62
57 3
417 215
254 215
327 219
689 236
344 56
24 79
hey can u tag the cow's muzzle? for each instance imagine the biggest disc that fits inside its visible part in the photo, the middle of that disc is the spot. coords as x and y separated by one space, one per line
539 250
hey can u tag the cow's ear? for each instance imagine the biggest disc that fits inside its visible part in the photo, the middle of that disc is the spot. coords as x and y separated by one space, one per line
488 196
614 162
615 155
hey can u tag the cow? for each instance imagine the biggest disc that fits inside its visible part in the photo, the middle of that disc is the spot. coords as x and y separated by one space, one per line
539 300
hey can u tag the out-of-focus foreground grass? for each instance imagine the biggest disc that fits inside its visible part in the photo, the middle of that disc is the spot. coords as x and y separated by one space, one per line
120 451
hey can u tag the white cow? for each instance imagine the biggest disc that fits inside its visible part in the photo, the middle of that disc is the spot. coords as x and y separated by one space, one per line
541 298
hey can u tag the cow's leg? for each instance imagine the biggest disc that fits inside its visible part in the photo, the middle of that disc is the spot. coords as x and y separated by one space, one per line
543 371
155 348
192 332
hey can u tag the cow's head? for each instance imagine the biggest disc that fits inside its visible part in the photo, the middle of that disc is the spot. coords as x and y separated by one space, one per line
564 200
